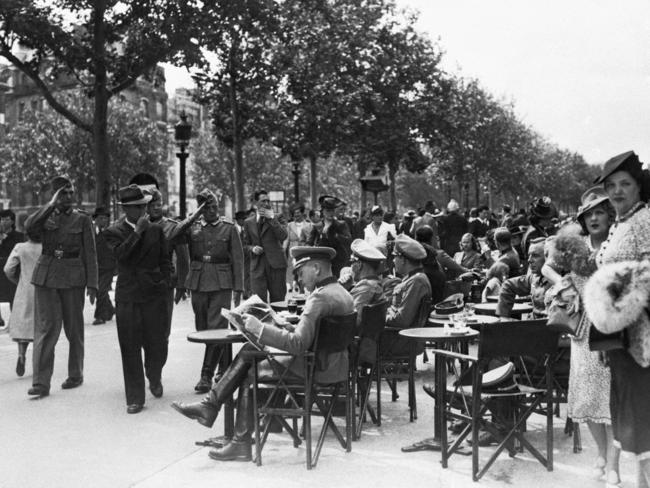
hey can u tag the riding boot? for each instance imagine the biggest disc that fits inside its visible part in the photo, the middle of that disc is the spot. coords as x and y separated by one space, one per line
212 356
239 449
206 411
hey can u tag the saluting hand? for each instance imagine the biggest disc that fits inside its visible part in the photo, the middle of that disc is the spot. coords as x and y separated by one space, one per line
55 197
142 224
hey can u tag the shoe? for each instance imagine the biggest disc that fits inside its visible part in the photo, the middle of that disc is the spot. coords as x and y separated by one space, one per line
20 365
156 389
2 322
612 480
70 383
599 468
233 451
203 412
38 391
485 439
99 322
430 390
457 426
134 408
203 386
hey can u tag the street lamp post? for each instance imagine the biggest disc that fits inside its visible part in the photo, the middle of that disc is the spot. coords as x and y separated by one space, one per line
182 135
296 180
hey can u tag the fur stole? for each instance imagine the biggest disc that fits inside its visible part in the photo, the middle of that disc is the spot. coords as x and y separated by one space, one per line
572 252
617 297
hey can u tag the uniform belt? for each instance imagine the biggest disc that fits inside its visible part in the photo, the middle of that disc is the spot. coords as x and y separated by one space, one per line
59 254
212 259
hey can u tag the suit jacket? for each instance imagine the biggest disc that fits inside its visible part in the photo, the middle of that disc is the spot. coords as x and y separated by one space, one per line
143 263
269 235
105 259
70 233
479 229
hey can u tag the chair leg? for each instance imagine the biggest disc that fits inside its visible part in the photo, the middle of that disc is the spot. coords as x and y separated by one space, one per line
577 440
413 409
378 381
256 416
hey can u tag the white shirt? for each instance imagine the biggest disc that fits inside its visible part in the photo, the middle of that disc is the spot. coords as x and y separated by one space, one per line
380 237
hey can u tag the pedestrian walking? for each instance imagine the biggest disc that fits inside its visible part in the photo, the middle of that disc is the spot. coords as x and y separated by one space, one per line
106 267
9 237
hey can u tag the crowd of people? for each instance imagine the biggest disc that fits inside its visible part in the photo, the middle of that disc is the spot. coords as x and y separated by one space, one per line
342 261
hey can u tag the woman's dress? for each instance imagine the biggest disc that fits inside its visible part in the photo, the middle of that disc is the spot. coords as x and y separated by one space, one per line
19 268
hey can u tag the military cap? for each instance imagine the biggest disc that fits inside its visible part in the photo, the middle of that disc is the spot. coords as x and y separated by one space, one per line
365 252
59 182
376 210
101 211
205 196
145 180
593 197
628 161
328 202
409 248
133 195
7 212
304 254
543 208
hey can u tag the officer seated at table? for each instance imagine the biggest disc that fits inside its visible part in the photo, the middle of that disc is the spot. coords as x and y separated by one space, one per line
407 296
533 284
328 298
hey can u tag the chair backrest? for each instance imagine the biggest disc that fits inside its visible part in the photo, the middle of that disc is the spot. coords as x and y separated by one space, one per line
517 338
373 320
423 312
335 333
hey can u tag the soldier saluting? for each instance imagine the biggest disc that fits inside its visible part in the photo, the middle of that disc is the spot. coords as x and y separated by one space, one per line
216 270
68 264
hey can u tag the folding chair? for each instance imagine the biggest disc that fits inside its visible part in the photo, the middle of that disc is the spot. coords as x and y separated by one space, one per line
373 320
498 341
334 334
395 368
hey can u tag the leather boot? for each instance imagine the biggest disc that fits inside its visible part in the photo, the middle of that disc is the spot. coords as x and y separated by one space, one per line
206 411
210 360
239 449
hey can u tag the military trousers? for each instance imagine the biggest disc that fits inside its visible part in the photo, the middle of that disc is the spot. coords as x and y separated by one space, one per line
207 307
53 308
141 327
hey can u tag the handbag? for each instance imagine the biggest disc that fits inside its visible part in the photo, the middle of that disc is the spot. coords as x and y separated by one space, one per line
564 310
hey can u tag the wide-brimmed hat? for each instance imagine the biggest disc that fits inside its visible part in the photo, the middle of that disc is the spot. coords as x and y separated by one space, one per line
133 195
593 197
304 254
328 202
543 208
626 161
366 252
145 181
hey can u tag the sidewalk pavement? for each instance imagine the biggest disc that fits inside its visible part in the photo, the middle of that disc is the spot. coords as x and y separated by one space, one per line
84 437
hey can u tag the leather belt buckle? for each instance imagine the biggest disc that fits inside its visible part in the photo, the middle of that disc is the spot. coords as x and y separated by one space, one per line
58 254
207 259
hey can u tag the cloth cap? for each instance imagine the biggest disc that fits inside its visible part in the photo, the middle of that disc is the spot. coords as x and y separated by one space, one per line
593 197
453 206
366 252
410 248
101 211
304 254
59 182
328 202
626 161
543 208
133 195
205 196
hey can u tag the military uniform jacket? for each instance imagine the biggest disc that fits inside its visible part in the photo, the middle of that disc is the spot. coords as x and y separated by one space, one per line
143 264
530 284
367 291
328 298
403 310
176 246
269 234
216 257
69 258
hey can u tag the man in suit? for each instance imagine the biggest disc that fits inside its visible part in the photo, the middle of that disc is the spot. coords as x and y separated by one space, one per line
240 217
263 238
143 280
216 270
327 298
452 228
332 232
484 222
106 265
67 265
9 237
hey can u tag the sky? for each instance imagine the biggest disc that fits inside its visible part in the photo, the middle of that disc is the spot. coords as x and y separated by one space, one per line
577 71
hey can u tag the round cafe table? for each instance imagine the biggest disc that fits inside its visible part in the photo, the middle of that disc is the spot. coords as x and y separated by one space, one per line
440 338
279 306
518 299
438 320
490 308
225 338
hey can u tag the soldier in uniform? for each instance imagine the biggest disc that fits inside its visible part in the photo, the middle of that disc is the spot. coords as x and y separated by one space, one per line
106 265
407 296
216 269
143 280
67 265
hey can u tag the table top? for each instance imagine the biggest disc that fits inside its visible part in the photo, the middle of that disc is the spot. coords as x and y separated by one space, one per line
277 306
492 306
476 319
216 336
437 334
518 299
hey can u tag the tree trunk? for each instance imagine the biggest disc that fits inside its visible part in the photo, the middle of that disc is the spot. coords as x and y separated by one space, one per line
237 143
476 189
313 176
392 192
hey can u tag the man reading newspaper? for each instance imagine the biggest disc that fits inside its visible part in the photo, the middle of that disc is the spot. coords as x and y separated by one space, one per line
327 297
